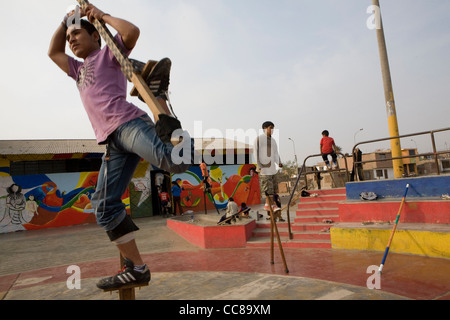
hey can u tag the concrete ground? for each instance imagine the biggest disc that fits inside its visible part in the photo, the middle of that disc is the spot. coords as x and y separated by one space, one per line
34 265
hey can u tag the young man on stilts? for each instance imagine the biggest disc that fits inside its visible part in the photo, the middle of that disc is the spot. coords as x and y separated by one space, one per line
128 132
267 158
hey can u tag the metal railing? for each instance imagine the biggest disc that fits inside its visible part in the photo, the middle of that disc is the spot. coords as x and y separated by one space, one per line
434 154
302 169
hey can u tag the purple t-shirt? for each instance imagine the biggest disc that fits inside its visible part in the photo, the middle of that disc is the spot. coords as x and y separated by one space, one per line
103 87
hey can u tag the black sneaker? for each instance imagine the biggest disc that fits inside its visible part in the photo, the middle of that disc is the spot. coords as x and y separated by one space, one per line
138 65
126 277
158 79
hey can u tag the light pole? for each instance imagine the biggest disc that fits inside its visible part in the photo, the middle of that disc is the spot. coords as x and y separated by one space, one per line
295 154
396 149
354 136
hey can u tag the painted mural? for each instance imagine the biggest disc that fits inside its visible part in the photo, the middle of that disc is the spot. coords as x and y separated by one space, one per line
237 181
47 201
33 202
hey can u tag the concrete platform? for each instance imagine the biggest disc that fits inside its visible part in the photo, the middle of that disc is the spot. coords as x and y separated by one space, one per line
202 230
431 240
420 187
34 265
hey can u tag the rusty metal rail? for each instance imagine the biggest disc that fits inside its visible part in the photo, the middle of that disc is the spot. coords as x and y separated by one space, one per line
435 153
305 174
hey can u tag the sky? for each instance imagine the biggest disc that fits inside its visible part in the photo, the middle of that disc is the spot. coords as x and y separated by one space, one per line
305 65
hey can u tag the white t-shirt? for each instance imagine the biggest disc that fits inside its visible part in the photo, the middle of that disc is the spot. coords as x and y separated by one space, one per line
265 152
232 209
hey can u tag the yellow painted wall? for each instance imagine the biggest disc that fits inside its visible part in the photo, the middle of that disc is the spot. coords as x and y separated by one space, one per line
432 244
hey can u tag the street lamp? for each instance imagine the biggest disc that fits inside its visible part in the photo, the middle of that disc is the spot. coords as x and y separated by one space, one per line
354 136
414 142
295 154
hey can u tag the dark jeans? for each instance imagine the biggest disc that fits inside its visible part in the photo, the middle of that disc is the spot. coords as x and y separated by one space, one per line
177 202
333 156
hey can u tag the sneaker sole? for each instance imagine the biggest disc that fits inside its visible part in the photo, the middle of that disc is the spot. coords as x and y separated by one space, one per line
159 73
127 286
153 73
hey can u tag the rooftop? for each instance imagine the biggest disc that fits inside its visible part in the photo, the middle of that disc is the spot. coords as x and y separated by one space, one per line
68 146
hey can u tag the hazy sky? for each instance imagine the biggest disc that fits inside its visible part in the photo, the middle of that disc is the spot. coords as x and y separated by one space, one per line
306 65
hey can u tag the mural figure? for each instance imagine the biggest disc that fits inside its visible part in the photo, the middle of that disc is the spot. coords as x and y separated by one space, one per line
32 205
15 204
253 186
35 201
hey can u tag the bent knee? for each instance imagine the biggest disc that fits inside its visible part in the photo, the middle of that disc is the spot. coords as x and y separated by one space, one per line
126 227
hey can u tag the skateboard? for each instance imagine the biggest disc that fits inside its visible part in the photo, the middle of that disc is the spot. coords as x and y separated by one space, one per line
234 216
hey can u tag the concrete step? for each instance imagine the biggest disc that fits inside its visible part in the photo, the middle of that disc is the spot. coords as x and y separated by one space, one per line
312 231
264 233
317 212
413 211
324 198
339 191
316 219
287 243
265 224
318 205
310 227
311 235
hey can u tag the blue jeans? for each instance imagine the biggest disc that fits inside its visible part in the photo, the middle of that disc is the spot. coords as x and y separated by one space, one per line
130 142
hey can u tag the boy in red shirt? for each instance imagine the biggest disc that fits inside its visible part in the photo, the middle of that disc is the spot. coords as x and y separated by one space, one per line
164 197
328 147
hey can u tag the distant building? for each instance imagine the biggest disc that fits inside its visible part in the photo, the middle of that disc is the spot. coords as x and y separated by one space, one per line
376 167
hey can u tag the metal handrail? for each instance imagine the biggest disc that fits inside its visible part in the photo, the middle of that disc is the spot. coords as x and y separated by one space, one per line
433 143
298 179
434 153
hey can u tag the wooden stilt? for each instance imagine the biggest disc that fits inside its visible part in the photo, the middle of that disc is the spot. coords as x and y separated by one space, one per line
272 259
126 293
274 230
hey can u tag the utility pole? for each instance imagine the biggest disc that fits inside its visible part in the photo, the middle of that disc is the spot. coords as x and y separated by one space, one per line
396 148
295 156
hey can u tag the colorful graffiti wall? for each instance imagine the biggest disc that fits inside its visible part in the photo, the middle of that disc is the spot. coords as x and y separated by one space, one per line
47 201
32 202
237 181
